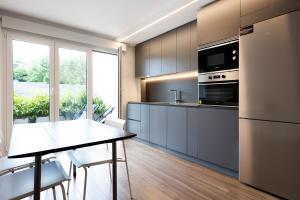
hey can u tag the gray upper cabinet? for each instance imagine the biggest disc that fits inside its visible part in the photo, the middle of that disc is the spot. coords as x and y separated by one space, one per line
145 122
177 129
142 60
257 11
218 21
168 50
194 46
155 56
158 125
218 137
183 48
174 51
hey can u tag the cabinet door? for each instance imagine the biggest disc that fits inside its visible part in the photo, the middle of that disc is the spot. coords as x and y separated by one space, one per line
194 47
177 129
142 60
145 122
168 46
218 137
218 21
158 125
155 56
183 48
134 111
193 128
134 127
257 11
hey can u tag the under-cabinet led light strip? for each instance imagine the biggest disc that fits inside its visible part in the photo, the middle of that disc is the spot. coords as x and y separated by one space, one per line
193 74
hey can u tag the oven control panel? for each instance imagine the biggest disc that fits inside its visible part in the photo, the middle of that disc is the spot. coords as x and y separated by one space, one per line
228 75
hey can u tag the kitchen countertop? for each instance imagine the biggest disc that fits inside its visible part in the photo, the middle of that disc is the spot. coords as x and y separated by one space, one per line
186 104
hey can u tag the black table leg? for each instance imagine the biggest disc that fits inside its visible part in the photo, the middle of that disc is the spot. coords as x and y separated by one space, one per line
114 170
37 177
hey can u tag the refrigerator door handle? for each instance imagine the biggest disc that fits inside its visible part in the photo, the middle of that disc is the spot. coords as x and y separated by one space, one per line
246 30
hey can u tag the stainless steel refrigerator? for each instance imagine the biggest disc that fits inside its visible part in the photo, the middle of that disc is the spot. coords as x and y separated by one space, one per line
269 116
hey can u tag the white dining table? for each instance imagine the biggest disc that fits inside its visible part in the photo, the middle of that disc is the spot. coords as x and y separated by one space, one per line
39 139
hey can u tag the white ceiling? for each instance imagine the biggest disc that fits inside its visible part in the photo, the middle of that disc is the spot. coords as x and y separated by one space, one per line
115 19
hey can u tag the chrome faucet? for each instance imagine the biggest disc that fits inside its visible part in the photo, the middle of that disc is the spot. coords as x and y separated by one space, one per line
177 95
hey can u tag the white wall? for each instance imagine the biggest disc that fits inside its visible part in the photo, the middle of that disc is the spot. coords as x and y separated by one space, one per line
2 95
130 86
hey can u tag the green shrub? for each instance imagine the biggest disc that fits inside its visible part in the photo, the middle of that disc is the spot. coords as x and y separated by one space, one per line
20 74
21 106
38 106
99 103
71 105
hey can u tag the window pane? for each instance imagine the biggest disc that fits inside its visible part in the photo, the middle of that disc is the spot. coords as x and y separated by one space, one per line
30 82
105 84
72 84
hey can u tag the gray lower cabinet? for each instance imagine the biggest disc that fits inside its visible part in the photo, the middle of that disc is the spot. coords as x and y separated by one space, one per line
158 125
218 136
193 129
145 115
208 134
177 129
134 112
134 127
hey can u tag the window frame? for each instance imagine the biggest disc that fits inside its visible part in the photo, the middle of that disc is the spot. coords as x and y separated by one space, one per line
89 88
54 45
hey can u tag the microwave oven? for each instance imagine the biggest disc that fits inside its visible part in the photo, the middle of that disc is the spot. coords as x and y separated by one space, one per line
219 58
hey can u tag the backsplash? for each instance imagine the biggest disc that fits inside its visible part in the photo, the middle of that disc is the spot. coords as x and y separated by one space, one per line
158 91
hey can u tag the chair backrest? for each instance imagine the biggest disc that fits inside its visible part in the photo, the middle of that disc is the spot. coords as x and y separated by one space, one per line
7 165
108 111
117 123
15 164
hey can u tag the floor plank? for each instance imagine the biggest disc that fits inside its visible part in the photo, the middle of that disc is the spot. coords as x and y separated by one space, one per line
157 175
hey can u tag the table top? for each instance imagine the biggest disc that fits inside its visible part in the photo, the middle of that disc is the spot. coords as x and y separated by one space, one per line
49 137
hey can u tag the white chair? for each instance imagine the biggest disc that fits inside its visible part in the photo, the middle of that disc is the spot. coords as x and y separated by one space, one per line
92 156
17 178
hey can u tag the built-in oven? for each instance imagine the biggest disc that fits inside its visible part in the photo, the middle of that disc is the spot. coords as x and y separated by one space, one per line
219 88
220 57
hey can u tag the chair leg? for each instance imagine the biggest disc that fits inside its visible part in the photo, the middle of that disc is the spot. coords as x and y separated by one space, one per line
109 172
53 192
70 171
85 182
74 171
128 177
63 191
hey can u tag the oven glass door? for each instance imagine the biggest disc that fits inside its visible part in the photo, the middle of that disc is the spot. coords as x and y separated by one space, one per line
218 58
219 93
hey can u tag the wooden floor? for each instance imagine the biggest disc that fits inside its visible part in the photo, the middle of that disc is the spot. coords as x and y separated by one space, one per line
157 175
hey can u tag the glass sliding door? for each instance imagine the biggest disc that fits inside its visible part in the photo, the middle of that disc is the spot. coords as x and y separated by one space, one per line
31 82
105 83
72 72
48 83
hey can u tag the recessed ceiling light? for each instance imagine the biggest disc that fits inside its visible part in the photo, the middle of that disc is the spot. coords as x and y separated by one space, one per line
157 21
